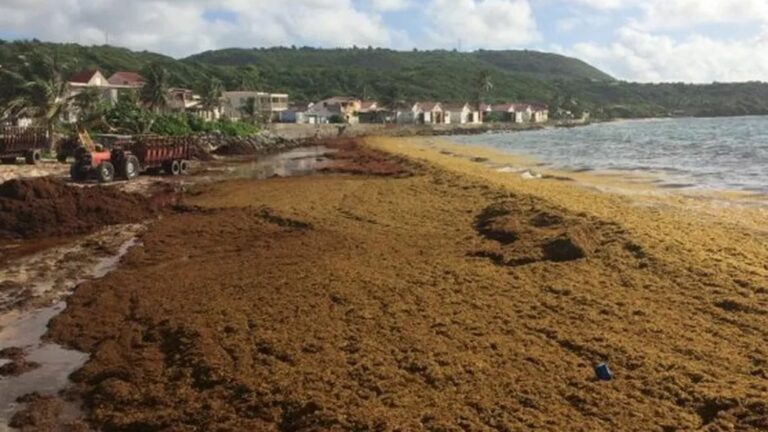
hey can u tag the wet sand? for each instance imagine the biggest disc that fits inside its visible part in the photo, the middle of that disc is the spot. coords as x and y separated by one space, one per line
438 294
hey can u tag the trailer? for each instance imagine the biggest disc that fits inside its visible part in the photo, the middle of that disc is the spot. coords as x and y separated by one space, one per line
126 160
18 142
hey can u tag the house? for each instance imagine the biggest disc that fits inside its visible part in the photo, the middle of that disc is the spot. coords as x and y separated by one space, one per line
91 79
129 79
517 113
180 99
462 113
346 107
423 113
506 112
343 109
481 110
539 113
371 112
323 114
270 105
298 113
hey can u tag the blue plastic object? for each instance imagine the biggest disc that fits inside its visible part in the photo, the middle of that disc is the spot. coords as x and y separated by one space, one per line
603 372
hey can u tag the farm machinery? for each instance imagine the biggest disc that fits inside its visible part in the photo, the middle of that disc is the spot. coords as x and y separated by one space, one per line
128 158
16 142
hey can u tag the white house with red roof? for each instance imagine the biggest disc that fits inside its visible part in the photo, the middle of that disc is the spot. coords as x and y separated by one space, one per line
462 113
91 79
124 78
95 79
423 113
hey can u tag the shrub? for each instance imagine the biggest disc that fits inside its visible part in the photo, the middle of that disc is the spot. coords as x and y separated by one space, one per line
171 124
232 128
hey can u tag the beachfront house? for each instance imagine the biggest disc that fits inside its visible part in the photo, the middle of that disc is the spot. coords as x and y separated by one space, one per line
319 113
423 113
461 113
485 110
539 113
270 105
297 113
506 112
371 112
519 113
345 107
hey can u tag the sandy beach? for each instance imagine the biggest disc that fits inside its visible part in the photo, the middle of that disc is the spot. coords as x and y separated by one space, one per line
411 286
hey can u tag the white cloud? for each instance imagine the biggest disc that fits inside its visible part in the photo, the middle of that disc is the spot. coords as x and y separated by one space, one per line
482 23
643 47
603 4
669 14
177 26
680 14
642 56
390 5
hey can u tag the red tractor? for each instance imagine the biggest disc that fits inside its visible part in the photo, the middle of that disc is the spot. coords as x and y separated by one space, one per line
127 159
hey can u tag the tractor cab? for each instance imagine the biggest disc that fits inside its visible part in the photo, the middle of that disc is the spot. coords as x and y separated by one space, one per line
92 160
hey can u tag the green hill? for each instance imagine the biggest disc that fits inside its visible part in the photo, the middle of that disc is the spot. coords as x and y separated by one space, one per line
540 65
309 74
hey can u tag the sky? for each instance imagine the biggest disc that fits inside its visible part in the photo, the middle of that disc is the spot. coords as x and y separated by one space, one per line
698 41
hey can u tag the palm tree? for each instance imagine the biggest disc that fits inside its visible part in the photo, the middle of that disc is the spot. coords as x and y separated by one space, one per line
210 93
91 107
128 117
484 86
250 110
42 93
154 94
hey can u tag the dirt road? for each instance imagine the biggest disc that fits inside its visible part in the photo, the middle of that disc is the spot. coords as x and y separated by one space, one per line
425 298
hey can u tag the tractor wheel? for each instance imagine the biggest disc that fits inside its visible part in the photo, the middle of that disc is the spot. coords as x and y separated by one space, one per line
105 172
9 160
33 157
175 168
183 167
130 168
77 174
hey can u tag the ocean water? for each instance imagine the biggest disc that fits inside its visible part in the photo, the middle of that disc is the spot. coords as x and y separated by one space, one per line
712 153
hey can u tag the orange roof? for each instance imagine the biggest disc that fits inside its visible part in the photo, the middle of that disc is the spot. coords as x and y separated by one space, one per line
83 77
126 78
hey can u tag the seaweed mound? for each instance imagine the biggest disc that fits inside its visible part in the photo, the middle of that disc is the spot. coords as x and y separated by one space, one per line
45 207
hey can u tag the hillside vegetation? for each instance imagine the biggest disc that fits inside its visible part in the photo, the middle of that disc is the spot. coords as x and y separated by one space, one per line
309 74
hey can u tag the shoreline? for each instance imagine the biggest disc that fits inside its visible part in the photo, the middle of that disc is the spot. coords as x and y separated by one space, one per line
622 182
415 289
626 178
